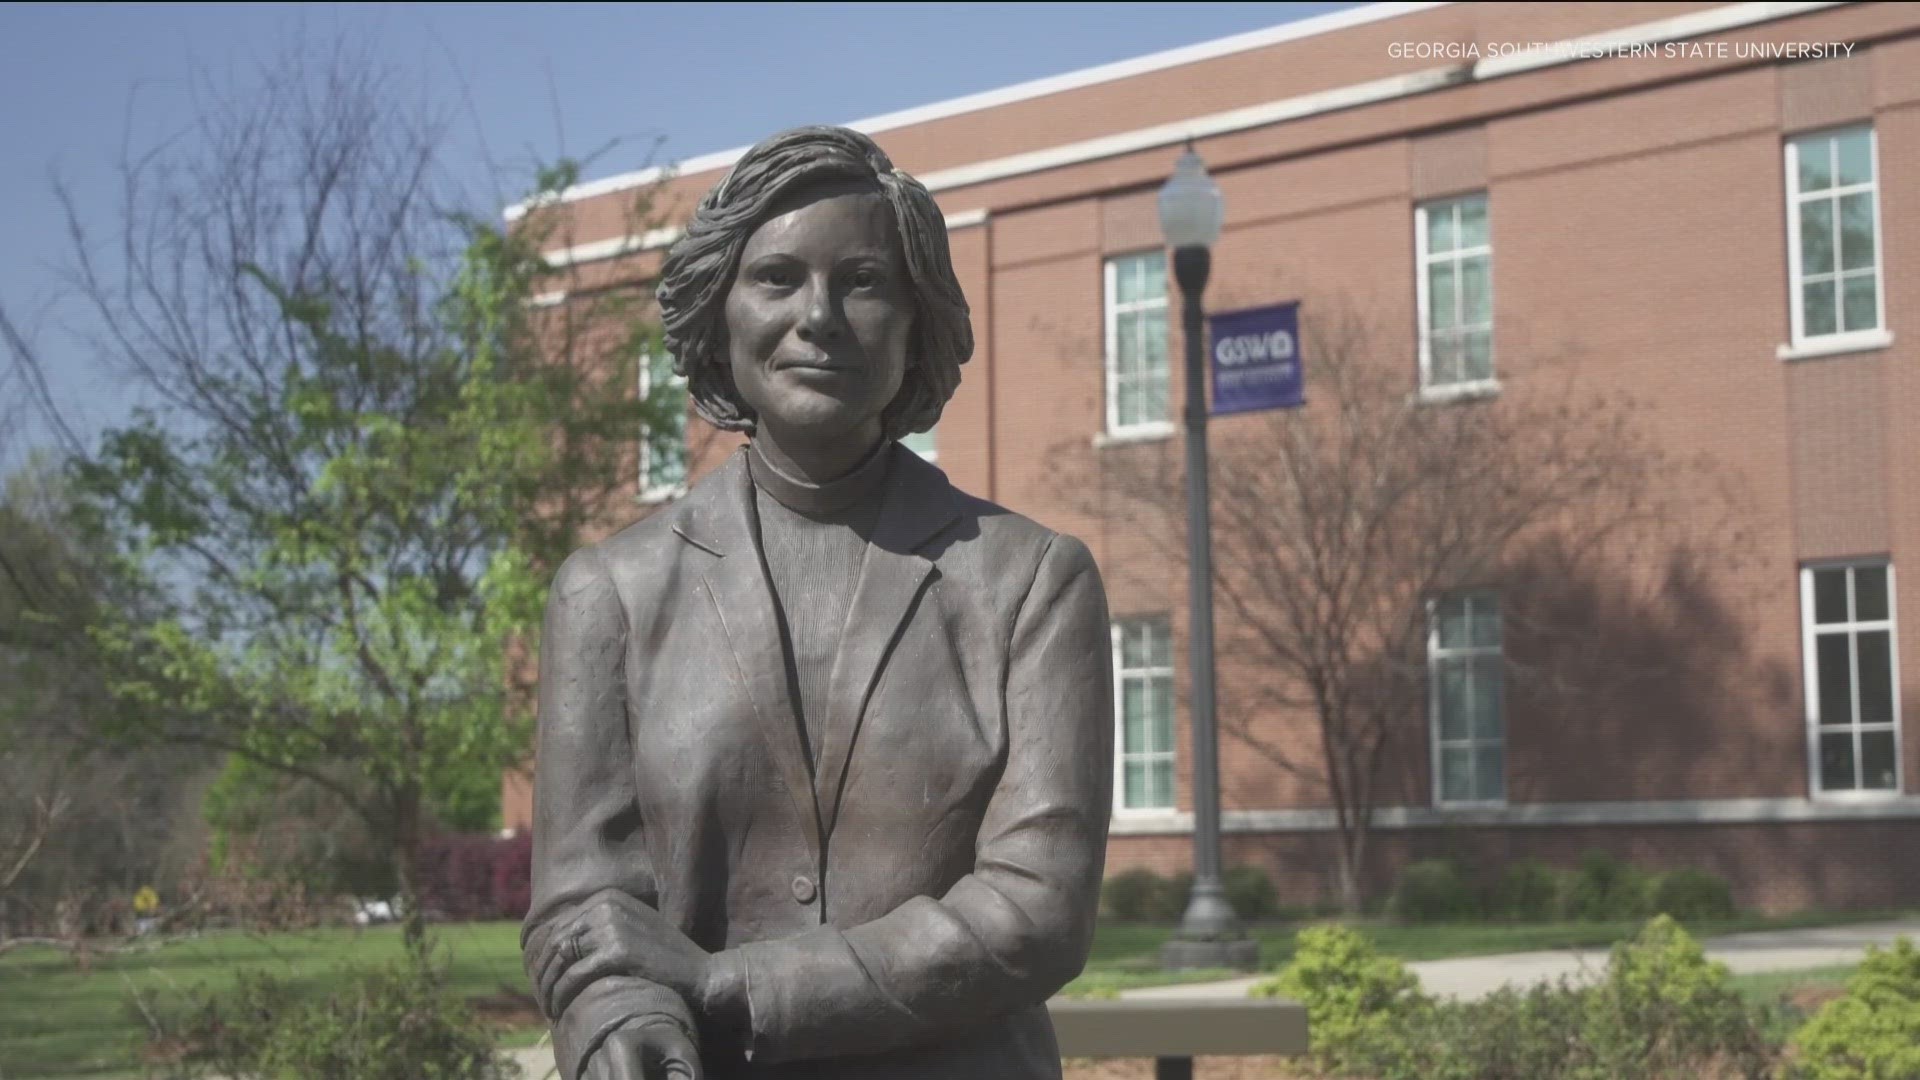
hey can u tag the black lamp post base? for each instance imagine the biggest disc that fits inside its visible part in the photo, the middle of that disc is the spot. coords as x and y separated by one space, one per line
1236 953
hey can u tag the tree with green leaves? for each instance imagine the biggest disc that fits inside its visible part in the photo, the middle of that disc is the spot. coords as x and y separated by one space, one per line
369 437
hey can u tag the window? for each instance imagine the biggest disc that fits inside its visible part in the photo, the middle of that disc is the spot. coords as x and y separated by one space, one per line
1847 616
922 443
1833 235
1469 730
1455 286
1137 372
663 450
1143 692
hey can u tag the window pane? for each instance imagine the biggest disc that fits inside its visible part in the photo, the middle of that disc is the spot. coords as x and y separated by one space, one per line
1490 779
1162 785
1133 645
1835 668
1830 595
1130 408
1876 677
1159 645
1476 286
1153 276
1862 307
1856 231
1816 237
1135 796
1487 693
1816 163
1473 222
1476 354
1447 358
1160 719
1455 630
1869 593
1486 621
1153 341
1440 229
1836 761
1153 401
1442 303
1140 277
1820 316
1456 773
1455 699
1133 712
1856 157
1878 770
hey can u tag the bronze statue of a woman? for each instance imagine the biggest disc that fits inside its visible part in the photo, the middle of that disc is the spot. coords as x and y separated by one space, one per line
825 755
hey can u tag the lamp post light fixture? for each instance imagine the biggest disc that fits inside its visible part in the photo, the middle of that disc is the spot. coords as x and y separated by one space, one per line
1210 935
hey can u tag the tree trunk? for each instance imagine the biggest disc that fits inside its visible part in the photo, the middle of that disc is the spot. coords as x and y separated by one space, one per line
406 856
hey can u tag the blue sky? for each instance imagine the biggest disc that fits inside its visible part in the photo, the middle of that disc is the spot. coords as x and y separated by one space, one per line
531 82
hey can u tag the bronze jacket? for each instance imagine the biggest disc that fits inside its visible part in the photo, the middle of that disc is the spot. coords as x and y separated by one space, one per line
906 908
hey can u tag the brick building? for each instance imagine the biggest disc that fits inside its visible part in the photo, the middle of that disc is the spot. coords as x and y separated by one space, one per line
1716 206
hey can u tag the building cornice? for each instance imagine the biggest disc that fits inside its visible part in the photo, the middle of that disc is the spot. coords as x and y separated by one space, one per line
1372 92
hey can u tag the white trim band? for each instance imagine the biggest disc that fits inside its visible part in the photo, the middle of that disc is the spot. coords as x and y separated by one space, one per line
1672 812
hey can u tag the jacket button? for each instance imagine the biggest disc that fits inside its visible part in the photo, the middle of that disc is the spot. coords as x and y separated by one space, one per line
803 889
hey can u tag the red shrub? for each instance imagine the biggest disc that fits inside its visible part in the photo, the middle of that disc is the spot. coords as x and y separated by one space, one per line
476 876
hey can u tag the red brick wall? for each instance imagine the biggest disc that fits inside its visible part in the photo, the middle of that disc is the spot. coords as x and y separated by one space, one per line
1638 215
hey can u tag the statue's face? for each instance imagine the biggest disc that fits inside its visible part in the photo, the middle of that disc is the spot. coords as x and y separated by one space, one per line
819 317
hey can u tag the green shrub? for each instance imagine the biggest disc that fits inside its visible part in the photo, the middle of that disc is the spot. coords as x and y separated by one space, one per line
1529 891
1130 894
1170 901
1606 889
1664 1009
389 1023
1251 892
1355 997
1691 895
1661 1011
1431 891
1873 1033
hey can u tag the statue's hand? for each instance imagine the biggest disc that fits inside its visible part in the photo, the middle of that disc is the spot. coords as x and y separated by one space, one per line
648 1052
614 934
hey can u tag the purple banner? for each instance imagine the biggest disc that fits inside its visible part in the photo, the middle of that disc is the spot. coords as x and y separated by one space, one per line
1256 359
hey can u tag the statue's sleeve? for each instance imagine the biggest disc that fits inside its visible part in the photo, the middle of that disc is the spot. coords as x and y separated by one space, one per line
588 835
1009 934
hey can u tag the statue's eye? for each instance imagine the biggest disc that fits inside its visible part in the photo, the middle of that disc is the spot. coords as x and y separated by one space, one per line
865 278
779 276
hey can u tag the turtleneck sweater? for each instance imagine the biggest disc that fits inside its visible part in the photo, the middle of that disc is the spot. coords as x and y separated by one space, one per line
813 538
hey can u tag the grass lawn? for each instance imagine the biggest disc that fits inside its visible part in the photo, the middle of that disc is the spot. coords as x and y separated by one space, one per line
56 1020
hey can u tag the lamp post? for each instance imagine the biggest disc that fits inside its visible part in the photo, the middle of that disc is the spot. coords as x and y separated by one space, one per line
1209 934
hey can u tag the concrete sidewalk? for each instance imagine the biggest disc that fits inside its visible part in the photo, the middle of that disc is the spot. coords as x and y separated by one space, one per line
1470 977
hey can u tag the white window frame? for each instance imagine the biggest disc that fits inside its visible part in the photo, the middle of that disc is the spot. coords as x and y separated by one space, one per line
1120 757
1423 302
650 492
1840 340
1112 311
1810 676
1436 657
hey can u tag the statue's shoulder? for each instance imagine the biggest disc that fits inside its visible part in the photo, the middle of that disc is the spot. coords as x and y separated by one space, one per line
1004 537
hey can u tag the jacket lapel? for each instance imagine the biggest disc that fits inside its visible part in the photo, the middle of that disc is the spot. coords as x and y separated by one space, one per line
919 503
718 516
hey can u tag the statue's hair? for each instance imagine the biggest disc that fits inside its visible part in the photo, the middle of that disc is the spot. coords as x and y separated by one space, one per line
700 269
